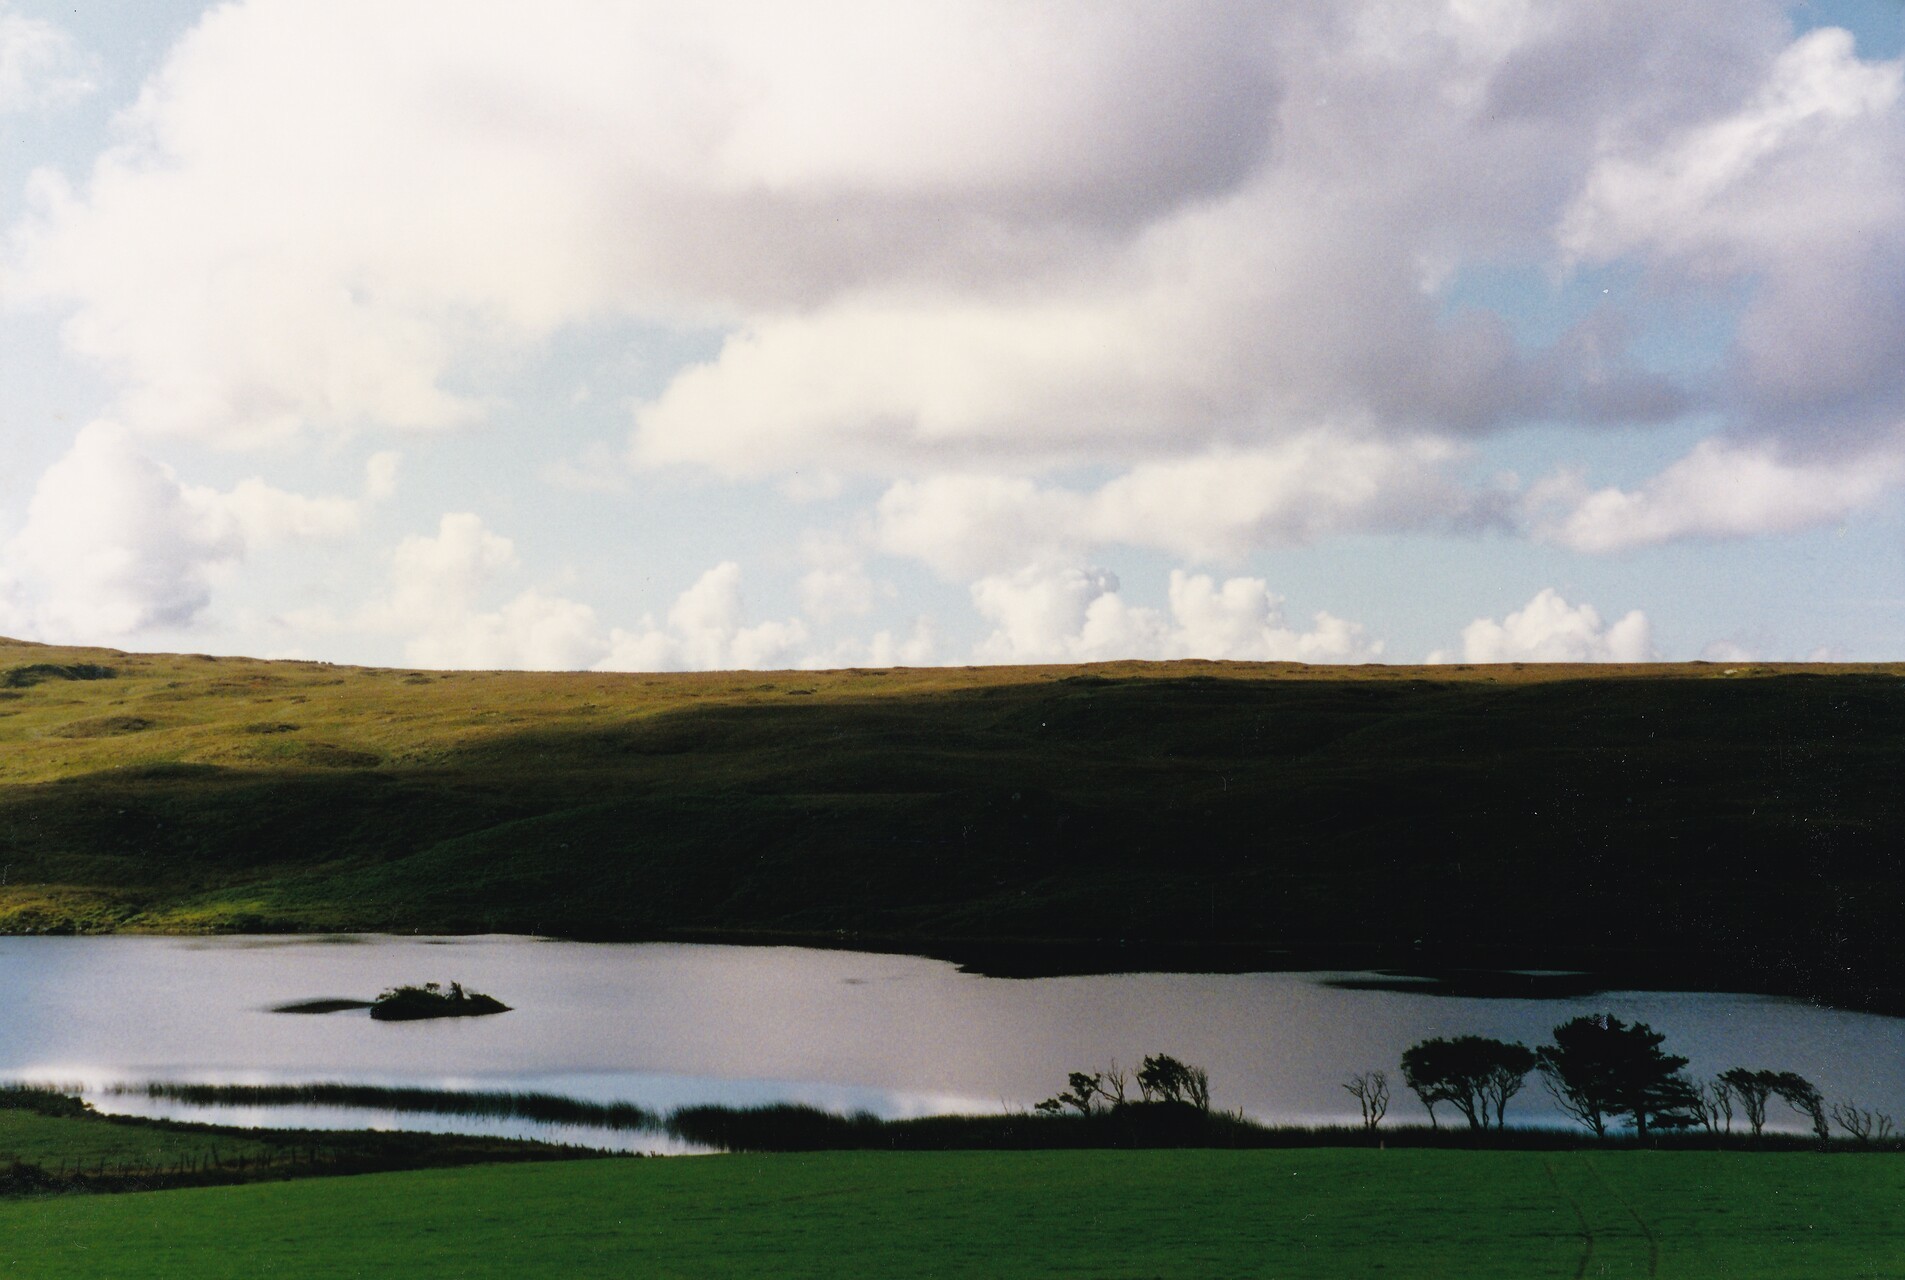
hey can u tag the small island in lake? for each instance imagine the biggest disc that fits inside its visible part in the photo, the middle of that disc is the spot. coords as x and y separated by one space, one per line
431 1000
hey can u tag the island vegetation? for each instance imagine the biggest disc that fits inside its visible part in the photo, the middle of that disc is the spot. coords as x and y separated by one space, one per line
433 1000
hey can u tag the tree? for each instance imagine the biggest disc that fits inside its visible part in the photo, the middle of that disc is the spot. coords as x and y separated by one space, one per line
1088 1089
1371 1091
1752 1089
1802 1096
1163 1078
1713 1106
1600 1068
1860 1123
1474 1073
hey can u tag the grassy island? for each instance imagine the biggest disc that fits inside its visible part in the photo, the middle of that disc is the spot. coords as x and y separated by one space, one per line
432 1000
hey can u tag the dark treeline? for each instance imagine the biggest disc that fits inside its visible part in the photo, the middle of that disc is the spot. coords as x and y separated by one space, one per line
791 1128
1604 1073
1615 1079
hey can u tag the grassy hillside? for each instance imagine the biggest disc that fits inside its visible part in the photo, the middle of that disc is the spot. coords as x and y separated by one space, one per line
1295 1215
1740 820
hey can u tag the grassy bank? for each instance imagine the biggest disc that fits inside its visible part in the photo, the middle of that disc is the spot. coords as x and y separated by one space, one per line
1296 1215
1735 825
50 1143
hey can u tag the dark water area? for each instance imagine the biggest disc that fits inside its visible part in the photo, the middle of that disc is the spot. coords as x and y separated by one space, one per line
660 1026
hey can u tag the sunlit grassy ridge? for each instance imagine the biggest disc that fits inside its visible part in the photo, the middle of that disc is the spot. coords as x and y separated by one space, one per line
1743 819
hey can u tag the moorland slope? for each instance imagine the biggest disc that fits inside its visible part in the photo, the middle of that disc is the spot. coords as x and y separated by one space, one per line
1737 825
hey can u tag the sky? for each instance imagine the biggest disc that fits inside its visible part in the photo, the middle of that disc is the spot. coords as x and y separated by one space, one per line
603 334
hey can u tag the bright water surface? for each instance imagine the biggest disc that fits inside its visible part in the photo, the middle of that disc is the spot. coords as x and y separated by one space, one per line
663 1025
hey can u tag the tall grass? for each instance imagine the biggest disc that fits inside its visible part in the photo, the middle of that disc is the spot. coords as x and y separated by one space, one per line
546 1108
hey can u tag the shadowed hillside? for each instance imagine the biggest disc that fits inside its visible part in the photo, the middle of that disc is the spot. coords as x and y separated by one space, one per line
1733 825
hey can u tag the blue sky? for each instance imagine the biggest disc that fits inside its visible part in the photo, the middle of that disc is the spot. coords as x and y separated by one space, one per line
737 334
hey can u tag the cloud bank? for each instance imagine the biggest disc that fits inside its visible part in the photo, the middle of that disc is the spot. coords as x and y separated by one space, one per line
1203 279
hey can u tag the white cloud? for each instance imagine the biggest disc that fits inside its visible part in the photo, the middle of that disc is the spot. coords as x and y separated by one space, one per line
838 585
441 588
706 630
1209 250
533 632
978 230
319 211
967 524
380 475
1068 614
1798 190
39 64
115 544
1718 490
438 587
442 576
1549 629
1216 505
917 646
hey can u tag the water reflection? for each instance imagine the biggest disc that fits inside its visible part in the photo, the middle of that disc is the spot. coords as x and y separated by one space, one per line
669 1025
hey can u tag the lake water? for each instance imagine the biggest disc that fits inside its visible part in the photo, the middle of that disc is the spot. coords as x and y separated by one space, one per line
663 1025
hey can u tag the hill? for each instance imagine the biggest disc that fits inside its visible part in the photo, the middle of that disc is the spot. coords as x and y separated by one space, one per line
1736 825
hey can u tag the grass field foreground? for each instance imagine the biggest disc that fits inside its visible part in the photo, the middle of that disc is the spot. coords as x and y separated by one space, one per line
1294 1215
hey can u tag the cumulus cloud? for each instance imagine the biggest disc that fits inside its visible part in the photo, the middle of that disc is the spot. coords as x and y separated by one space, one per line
255 264
916 646
114 543
440 600
1549 629
1797 188
707 630
1718 490
39 63
838 585
1036 231
1070 614
1217 505
532 632
1210 249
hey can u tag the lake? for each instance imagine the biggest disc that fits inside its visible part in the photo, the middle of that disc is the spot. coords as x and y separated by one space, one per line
663 1025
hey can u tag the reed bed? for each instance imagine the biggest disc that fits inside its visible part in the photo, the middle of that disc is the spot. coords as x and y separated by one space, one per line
547 1108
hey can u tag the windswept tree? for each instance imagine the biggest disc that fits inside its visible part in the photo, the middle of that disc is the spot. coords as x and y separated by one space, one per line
1474 1074
1088 1091
1804 1097
1861 1124
1752 1089
1163 1078
1755 1089
1371 1091
1713 1105
1600 1069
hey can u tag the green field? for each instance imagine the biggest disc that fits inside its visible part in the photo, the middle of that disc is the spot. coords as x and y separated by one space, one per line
1692 822
49 1142
1291 1215
56 1142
